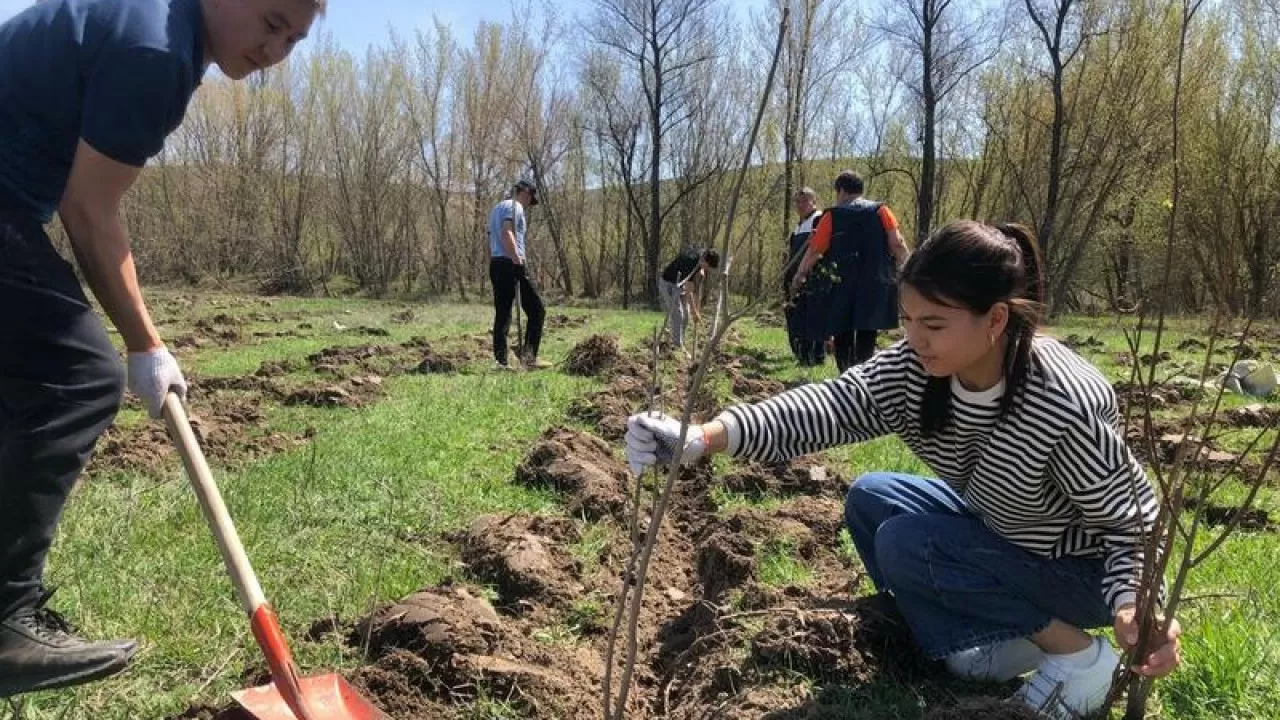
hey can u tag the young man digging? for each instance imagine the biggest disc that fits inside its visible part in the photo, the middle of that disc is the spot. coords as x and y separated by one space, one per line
509 276
89 90
1029 532
680 290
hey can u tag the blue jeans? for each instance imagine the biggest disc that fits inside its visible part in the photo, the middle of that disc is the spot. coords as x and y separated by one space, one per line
958 583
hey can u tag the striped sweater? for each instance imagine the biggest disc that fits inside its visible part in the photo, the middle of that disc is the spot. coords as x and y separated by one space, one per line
1054 476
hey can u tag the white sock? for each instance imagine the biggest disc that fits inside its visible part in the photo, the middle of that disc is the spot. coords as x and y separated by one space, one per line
1082 659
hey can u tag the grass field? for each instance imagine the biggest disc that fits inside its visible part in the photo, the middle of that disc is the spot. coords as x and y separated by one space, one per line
349 513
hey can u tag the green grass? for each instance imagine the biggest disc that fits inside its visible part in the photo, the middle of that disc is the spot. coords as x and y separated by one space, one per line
361 524
593 540
777 565
588 615
728 502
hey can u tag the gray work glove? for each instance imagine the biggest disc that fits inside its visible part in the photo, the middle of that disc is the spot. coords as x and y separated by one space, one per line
652 437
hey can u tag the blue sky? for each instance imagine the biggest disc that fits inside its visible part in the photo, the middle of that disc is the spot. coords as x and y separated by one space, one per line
355 24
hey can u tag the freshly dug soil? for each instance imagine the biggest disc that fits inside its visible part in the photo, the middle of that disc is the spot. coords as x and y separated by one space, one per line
582 467
593 356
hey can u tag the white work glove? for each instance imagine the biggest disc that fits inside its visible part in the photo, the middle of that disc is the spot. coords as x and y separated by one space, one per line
152 375
652 437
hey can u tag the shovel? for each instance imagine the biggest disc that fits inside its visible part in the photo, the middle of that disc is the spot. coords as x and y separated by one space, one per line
288 697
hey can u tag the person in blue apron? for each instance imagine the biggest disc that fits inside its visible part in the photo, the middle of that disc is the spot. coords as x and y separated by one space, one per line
807 352
89 90
849 273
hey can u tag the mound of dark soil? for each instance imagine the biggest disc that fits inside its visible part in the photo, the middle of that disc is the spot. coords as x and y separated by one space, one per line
276 368
802 476
333 359
581 466
524 557
593 356
750 390
1253 415
1255 519
561 321
229 431
433 362
447 646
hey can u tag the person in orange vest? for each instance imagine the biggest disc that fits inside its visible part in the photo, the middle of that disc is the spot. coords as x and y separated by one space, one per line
849 273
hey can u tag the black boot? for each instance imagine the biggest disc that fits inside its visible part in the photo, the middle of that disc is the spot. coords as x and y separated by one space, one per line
39 651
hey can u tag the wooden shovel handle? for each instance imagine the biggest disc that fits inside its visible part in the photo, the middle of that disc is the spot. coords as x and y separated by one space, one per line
215 511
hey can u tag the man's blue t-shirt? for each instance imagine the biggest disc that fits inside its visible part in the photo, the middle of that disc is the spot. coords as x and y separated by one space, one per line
117 73
503 211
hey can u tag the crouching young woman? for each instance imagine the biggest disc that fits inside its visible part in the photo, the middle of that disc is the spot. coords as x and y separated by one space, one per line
1028 535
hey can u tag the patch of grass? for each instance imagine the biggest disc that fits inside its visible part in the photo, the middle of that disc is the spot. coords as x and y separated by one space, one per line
556 636
1226 662
593 540
587 615
845 547
728 501
777 565
487 708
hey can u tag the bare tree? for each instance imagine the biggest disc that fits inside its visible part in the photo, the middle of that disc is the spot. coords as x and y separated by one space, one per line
664 41
540 114
431 113
486 88
369 161
1233 154
950 40
616 112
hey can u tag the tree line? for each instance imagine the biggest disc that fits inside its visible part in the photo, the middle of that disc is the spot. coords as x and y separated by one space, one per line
377 171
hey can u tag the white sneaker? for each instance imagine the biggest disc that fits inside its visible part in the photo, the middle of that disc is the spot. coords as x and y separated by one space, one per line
501 366
1061 690
996 662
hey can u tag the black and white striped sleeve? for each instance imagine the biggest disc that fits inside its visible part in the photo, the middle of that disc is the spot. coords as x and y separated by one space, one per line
1110 489
859 405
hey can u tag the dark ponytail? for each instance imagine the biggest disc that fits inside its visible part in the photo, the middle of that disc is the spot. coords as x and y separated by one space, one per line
1001 264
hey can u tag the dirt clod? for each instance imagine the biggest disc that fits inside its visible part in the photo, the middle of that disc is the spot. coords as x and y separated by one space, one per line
434 363
802 476
446 646
1252 415
524 557
583 467
747 389
592 356
433 624
561 321
321 396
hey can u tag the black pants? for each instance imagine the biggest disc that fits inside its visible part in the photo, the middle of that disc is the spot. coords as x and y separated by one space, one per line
506 277
855 347
60 387
807 352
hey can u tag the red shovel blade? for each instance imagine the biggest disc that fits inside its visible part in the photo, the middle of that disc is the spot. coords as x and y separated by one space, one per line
327 697
291 697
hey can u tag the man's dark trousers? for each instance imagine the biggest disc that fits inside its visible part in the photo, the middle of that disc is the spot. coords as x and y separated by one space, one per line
854 348
60 387
506 277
